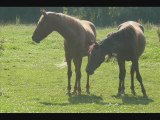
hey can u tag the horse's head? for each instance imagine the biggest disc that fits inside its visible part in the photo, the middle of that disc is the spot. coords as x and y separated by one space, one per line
97 56
43 28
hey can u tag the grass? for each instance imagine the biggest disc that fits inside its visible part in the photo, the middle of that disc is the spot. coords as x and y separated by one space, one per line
31 82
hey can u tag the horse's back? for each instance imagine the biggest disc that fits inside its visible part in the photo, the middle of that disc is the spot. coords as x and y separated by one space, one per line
123 25
90 28
90 35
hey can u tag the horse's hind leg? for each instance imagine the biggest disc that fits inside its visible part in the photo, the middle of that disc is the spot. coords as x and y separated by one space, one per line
139 78
69 73
122 73
87 85
77 62
132 79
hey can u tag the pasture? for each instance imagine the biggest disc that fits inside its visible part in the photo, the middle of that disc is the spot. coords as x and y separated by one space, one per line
30 80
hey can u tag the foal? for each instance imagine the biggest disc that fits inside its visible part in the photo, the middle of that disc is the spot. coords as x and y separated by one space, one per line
128 43
78 35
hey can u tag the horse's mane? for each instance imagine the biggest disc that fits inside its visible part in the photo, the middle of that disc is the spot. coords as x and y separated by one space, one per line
63 17
40 19
67 18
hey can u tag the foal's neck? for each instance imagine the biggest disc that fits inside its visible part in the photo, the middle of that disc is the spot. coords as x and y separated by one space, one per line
109 45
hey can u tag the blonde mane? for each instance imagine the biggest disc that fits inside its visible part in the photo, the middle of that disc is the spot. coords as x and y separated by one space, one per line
67 18
70 19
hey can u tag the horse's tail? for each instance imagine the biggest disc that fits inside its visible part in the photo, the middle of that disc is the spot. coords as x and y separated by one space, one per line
62 65
94 29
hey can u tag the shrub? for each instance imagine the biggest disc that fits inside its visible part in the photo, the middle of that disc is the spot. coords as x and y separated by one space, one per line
158 33
1 46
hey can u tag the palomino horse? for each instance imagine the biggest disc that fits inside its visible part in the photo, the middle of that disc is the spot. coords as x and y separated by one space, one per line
78 35
128 43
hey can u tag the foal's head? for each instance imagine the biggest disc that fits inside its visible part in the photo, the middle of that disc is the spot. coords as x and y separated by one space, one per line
43 28
97 56
98 52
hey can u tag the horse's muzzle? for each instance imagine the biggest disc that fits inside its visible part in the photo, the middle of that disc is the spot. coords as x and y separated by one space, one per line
35 40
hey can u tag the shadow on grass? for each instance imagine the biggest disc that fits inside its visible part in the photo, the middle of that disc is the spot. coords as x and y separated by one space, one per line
77 99
135 100
93 99
53 104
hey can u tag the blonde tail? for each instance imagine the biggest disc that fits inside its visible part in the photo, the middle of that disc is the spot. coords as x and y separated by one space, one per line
62 65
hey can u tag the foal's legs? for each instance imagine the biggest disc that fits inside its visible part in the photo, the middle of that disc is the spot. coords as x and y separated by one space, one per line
139 78
77 62
122 73
87 85
69 73
132 79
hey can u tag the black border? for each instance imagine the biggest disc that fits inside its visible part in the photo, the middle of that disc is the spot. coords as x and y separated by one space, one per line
80 3
80 116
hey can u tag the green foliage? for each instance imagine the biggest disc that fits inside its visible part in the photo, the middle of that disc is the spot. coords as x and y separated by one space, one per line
158 33
100 16
18 20
1 46
31 82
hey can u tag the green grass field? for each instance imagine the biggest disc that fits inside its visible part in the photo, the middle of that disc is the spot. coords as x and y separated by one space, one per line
30 81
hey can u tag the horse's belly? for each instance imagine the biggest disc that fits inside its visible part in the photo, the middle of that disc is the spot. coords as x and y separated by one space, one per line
125 56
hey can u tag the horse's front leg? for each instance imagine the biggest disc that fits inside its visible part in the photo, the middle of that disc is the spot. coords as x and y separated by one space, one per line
122 73
69 73
77 62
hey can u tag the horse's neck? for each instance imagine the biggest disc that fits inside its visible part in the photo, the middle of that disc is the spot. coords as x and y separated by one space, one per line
108 46
64 27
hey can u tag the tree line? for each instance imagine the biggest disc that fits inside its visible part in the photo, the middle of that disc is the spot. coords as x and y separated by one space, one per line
100 16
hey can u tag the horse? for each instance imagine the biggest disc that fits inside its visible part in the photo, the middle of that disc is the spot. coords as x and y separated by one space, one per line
78 36
128 43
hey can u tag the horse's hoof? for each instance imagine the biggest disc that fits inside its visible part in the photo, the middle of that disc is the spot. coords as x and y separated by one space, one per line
123 92
118 95
87 91
68 93
134 93
145 96
79 93
74 93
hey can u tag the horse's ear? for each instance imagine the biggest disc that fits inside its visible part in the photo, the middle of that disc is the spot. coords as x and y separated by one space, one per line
91 47
43 12
96 45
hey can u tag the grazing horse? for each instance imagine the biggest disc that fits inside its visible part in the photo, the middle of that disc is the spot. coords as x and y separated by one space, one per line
78 35
128 43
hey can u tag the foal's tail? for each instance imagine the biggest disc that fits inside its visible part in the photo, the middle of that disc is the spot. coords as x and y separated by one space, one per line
62 65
